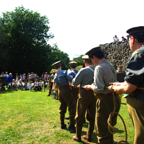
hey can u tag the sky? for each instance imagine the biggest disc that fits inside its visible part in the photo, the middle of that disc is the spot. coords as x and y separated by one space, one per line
79 25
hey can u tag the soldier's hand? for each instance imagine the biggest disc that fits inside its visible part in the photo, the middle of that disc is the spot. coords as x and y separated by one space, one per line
70 84
87 87
78 86
113 85
110 87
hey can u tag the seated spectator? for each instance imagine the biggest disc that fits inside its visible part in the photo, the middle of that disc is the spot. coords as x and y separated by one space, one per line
2 75
36 85
46 79
120 74
29 84
23 78
123 39
40 85
2 88
2 78
46 76
28 76
17 81
10 79
21 85
42 76
37 77
17 77
20 76
115 38
32 76
14 85
6 74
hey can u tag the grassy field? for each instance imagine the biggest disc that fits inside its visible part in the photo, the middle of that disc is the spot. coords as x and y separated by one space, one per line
33 118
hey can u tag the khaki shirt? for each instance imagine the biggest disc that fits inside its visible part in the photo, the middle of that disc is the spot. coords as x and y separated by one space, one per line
84 76
103 75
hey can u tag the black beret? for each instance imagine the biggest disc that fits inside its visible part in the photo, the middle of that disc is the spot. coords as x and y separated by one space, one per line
93 50
139 29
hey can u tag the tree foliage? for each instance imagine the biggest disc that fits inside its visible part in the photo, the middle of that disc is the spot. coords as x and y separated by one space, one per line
3 49
60 55
23 42
79 60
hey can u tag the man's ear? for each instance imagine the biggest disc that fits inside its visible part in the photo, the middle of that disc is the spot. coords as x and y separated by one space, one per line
132 40
94 57
84 62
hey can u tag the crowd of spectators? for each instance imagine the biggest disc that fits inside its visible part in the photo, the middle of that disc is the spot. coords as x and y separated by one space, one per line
33 81
115 38
23 81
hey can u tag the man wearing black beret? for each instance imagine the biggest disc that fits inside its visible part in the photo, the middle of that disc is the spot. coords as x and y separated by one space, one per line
104 74
134 82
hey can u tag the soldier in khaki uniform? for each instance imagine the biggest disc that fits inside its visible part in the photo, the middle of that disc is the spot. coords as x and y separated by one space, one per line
66 99
86 100
73 73
104 74
134 82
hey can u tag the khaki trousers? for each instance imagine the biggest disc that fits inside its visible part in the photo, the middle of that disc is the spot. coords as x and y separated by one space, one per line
86 102
104 106
136 112
50 88
66 100
75 92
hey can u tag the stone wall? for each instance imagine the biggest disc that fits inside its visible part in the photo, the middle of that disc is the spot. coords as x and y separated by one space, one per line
117 53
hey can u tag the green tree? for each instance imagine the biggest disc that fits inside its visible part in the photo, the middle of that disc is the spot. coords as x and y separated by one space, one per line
26 35
57 55
79 60
3 51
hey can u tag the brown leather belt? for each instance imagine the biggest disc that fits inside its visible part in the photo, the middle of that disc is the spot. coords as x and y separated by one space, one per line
136 92
84 90
104 95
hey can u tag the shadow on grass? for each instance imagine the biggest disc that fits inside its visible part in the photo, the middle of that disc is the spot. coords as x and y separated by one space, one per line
37 91
6 91
123 103
94 137
85 125
118 131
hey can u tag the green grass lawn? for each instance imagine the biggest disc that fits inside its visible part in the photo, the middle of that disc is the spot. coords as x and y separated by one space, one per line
33 118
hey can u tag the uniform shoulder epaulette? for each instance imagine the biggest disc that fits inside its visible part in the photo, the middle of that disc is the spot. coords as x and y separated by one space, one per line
139 51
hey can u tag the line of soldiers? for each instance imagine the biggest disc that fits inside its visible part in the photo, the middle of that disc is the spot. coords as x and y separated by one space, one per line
89 91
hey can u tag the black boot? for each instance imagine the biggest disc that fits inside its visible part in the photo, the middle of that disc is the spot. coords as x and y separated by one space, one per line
63 125
71 126
67 118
